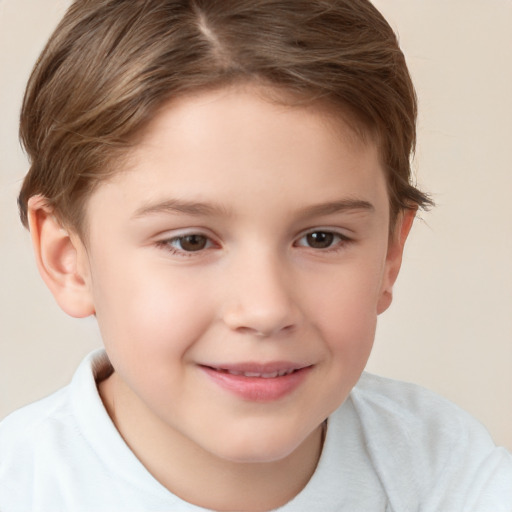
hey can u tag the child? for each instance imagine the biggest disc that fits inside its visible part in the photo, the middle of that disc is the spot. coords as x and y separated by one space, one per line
226 187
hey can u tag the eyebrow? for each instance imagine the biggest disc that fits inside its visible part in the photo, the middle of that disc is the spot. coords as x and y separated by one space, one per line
173 206
177 206
343 205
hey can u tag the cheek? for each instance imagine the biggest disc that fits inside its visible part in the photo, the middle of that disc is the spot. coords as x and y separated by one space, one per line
149 312
149 325
349 332
346 314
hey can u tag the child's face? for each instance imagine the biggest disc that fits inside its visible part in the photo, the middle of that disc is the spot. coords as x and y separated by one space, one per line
246 238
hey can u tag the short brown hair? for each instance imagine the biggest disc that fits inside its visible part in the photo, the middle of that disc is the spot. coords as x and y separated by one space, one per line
111 64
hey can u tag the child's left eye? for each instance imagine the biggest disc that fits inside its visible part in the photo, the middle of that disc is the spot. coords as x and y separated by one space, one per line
321 239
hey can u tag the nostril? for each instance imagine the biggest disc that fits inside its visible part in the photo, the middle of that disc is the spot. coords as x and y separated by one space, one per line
262 333
254 332
261 316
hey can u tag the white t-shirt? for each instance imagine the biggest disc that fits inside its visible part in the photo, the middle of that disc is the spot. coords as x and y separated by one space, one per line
390 447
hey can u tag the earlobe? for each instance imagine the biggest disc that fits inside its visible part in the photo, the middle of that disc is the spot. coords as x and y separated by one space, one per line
394 258
60 260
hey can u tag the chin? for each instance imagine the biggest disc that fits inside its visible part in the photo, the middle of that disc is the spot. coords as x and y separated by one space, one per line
256 456
258 448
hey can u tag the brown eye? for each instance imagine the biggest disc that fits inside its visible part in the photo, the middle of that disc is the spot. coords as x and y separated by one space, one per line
191 243
320 239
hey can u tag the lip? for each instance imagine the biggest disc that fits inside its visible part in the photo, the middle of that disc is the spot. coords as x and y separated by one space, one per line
258 382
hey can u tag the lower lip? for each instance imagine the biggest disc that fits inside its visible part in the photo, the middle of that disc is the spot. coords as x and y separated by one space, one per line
258 389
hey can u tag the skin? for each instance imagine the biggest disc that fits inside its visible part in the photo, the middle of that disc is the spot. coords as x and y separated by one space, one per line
251 179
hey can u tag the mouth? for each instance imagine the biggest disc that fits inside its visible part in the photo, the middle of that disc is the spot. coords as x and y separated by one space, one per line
258 383
257 375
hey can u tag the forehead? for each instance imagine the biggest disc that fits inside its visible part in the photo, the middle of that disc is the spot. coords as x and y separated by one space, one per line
241 147
264 99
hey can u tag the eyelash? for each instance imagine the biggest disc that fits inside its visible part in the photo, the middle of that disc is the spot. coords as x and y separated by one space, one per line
341 243
342 240
167 244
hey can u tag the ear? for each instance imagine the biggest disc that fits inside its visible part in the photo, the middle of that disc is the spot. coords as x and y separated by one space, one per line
394 257
61 259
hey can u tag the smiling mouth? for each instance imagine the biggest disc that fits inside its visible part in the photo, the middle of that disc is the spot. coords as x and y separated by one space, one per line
259 383
259 375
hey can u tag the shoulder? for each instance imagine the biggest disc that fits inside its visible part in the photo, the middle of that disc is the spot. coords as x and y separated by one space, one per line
53 414
426 448
37 441
29 421
24 436
408 406
50 417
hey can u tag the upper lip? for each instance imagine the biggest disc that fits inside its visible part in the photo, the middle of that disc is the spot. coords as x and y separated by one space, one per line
273 368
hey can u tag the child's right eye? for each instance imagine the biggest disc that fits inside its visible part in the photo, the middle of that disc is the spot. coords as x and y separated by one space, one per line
186 244
191 243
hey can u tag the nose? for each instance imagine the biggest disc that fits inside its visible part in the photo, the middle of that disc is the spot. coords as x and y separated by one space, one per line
260 297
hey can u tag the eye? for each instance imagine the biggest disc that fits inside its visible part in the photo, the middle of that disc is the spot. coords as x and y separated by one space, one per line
322 240
190 243
186 244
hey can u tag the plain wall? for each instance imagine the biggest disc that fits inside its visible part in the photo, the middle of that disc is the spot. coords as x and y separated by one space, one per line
450 327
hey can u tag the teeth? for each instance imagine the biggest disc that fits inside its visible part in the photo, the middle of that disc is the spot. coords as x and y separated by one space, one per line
263 375
272 375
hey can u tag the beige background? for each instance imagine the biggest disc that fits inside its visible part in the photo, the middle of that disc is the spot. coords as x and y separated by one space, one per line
450 327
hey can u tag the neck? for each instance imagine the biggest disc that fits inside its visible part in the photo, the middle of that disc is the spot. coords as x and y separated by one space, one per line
198 476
